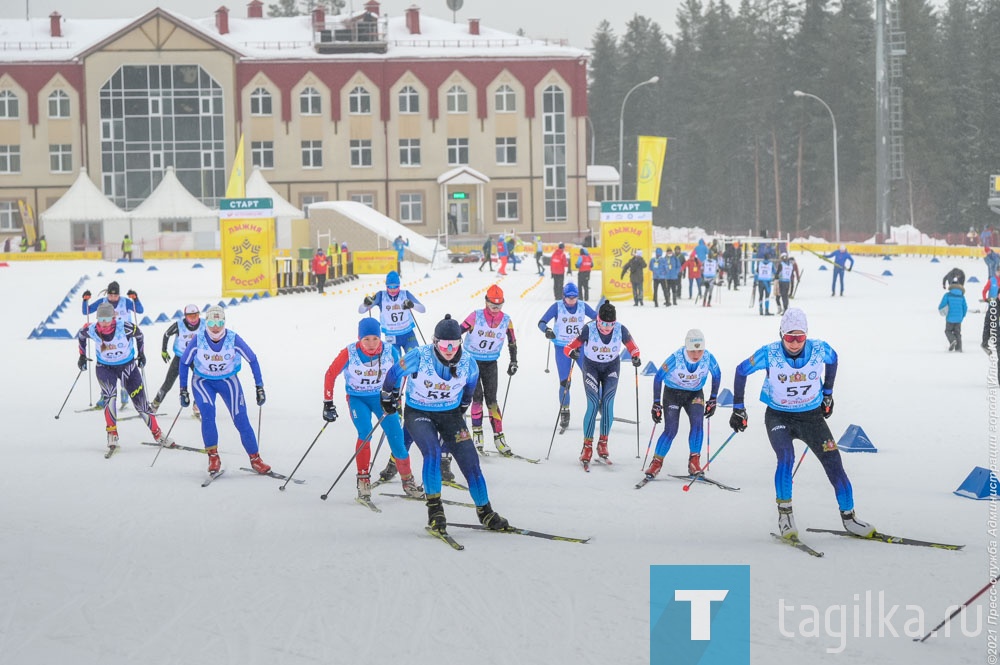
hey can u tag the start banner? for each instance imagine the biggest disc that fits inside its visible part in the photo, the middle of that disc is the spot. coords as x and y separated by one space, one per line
374 263
248 257
619 242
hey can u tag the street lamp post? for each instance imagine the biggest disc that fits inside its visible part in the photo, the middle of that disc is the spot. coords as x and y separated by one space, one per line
621 134
836 172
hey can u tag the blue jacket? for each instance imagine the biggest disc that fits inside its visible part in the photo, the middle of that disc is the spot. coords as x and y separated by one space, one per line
992 263
955 301
673 267
658 264
840 257
701 249
400 246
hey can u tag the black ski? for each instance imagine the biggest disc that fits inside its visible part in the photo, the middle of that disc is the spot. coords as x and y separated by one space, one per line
174 446
703 479
367 502
139 415
444 501
89 408
642 483
445 538
452 483
274 474
892 540
112 449
529 460
797 544
524 532
212 477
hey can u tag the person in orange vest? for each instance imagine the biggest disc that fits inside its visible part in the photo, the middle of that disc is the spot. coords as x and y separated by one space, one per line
559 266
584 264
320 266
502 256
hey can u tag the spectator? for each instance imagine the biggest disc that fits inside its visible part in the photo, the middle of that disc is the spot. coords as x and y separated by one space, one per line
584 264
692 268
487 254
658 266
127 248
400 246
954 275
953 308
635 269
43 244
539 256
320 267
992 260
511 244
502 256
6 245
559 266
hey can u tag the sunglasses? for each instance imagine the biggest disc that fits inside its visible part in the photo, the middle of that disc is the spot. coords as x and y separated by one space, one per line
794 339
448 346
105 320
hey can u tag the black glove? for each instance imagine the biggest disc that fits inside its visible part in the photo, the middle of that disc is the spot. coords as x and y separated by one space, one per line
132 294
407 304
261 397
657 412
369 301
738 421
390 401
827 406
710 408
463 407
636 361
850 269
86 295
165 355
141 360
574 354
549 333
329 411
81 362
185 398
512 368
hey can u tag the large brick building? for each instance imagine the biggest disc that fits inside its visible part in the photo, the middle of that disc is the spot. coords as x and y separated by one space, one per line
436 124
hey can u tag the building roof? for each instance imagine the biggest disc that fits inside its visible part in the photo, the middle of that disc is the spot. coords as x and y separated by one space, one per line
601 174
83 202
171 200
258 187
463 175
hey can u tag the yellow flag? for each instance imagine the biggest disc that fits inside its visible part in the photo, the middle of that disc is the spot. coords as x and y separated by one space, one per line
237 188
652 150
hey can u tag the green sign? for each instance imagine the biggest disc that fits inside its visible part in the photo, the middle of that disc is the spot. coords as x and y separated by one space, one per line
246 204
626 206
459 195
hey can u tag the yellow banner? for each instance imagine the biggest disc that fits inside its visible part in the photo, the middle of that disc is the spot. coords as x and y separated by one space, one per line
619 240
248 257
652 150
237 186
374 263
27 221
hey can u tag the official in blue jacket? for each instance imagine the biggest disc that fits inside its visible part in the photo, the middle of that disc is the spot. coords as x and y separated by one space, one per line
954 308
658 266
840 258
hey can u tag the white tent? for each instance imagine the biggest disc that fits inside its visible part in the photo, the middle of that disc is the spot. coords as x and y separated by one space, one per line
171 218
257 187
83 219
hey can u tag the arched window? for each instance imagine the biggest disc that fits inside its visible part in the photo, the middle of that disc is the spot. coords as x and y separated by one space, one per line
458 100
409 100
260 102
505 100
310 102
58 104
8 105
359 102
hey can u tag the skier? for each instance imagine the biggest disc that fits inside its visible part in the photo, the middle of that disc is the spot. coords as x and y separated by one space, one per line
763 277
113 296
436 401
635 267
488 328
953 307
192 324
117 360
710 270
364 365
215 356
394 312
658 266
584 266
787 271
840 258
568 317
602 342
684 372
799 398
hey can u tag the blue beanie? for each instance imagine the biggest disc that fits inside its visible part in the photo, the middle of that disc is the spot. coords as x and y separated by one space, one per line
392 279
369 326
570 291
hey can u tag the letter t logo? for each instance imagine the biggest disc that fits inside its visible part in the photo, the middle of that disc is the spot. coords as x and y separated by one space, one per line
701 609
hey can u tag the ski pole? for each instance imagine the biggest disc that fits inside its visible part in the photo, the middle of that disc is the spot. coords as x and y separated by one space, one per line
801 459
165 438
503 410
562 403
260 413
636 411
366 441
289 479
70 392
548 356
708 442
648 446
957 611
90 382
422 339
724 443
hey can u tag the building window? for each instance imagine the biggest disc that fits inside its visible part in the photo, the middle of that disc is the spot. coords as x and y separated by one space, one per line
507 150
306 200
458 152
310 103
409 100
10 159
359 102
312 154
411 208
507 207
409 152
554 153
505 100
8 105
262 154
364 198
361 152
10 216
58 104
260 102
61 158
175 225
458 100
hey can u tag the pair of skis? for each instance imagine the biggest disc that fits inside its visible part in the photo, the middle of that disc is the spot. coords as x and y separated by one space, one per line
877 537
700 478
447 538
511 455
599 460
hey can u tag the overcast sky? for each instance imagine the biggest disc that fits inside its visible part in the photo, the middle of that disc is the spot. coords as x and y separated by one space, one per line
575 20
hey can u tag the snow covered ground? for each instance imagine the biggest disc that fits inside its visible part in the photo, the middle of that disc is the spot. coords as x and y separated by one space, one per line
111 561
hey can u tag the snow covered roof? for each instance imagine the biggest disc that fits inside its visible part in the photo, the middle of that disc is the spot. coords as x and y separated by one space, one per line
463 175
31 40
83 202
386 227
258 187
171 200
600 174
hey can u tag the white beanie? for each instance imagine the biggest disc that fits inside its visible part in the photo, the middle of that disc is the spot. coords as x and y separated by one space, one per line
695 340
794 319
638 252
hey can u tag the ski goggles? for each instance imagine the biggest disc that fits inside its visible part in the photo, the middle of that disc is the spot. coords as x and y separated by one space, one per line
392 290
494 305
216 323
794 338
448 345
105 320
605 326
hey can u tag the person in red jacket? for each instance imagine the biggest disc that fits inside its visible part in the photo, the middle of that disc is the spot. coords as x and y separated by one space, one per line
320 265
502 255
559 266
692 268
584 265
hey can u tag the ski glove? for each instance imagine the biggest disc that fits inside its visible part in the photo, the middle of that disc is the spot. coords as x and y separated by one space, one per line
261 398
329 411
86 295
369 301
636 361
390 401
512 369
657 413
132 294
165 355
185 398
81 362
710 408
574 354
407 304
464 406
738 421
549 333
827 406
141 360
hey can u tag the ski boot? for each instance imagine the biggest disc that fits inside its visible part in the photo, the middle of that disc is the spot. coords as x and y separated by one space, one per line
694 465
854 526
588 451
654 467
446 473
411 488
101 403
490 519
258 464
389 472
364 486
436 520
477 438
196 411
563 418
112 439
500 441
602 447
161 438
214 463
786 521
